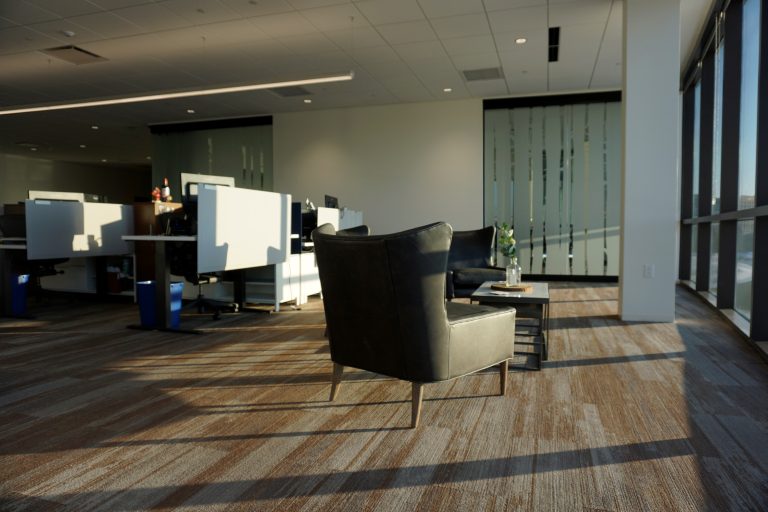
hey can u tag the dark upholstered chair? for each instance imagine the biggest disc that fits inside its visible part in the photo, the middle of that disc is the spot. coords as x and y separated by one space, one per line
361 230
385 309
183 262
470 262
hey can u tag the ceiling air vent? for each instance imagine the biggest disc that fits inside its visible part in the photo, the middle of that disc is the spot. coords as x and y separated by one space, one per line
473 75
73 54
290 92
554 44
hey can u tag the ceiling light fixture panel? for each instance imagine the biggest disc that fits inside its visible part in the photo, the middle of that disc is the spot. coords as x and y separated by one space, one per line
180 94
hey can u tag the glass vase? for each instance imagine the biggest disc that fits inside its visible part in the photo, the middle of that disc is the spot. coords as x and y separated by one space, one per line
513 273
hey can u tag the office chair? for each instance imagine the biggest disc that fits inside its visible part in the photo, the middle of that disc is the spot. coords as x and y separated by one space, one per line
183 262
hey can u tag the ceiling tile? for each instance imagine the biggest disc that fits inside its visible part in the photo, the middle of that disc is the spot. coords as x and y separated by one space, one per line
248 8
523 18
336 17
55 30
577 13
21 39
374 55
488 88
236 32
409 32
476 61
461 26
24 13
310 4
469 45
65 9
116 4
152 17
201 12
107 25
380 12
420 51
441 8
501 5
283 25
308 44
388 70
350 40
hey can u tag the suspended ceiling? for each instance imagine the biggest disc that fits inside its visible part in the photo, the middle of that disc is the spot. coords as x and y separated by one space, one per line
400 51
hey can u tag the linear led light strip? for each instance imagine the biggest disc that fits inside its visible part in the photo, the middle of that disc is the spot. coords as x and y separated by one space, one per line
183 94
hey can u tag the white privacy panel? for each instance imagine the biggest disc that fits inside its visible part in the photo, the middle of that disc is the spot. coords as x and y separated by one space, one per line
69 229
554 174
241 228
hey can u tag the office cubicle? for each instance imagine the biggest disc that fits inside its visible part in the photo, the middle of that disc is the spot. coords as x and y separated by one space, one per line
76 232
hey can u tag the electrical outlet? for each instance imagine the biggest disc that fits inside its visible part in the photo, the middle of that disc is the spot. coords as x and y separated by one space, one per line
649 271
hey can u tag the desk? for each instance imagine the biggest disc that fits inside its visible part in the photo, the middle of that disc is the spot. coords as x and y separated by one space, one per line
162 274
8 246
529 305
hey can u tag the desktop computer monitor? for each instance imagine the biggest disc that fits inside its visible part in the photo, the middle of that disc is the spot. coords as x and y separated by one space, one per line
331 202
190 183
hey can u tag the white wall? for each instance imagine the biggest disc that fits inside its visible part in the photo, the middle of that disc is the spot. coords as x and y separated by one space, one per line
19 174
650 168
402 165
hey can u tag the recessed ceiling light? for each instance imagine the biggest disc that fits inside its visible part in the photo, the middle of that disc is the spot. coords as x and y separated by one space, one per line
149 158
94 127
33 149
103 159
307 100
447 89
82 146
190 111
521 40
68 33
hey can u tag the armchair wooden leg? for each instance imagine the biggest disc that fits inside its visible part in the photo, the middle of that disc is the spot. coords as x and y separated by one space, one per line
417 391
503 370
336 380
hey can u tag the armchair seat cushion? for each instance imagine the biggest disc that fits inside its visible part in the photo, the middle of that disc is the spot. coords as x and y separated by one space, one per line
480 336
477 276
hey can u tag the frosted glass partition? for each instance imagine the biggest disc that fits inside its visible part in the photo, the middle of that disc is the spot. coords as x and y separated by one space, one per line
553 173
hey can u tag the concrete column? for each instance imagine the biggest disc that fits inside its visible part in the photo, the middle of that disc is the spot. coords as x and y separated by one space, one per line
650 174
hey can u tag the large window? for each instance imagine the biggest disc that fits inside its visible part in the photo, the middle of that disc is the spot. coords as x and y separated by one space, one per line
744 250
721 247
696 148
750 60
717 129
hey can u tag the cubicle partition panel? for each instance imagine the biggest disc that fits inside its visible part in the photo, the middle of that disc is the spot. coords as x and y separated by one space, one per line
343 218
67 229
241 228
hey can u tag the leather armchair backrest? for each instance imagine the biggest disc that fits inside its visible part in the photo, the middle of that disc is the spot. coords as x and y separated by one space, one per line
472 249
384 300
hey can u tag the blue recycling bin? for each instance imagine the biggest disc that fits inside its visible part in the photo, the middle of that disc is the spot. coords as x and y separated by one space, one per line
19 294
145 295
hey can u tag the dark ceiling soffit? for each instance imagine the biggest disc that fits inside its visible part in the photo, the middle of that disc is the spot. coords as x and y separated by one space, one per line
553 99
211 124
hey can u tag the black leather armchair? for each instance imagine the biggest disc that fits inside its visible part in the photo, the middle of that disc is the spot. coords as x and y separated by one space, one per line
385 309
470 262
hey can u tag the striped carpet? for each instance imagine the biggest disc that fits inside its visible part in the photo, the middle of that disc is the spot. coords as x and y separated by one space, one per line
624 417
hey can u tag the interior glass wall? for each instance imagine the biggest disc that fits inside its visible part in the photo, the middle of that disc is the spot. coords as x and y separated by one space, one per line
553 173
